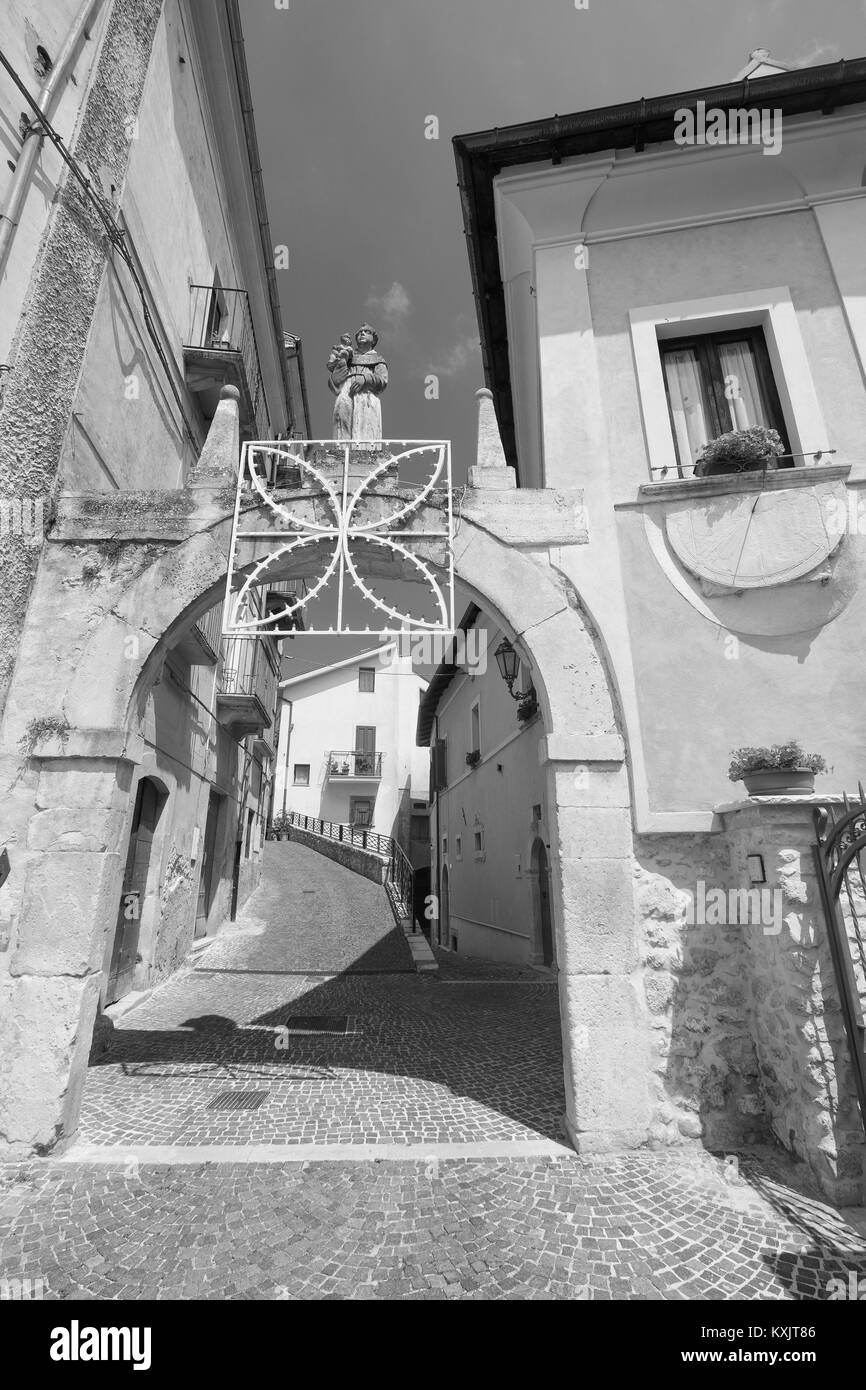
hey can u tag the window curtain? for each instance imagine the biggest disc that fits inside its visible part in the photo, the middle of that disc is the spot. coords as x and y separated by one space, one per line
742 388
689 413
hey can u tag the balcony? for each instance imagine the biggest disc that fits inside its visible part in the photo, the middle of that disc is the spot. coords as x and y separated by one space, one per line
280 593
200 644
247 687
220 350
354 766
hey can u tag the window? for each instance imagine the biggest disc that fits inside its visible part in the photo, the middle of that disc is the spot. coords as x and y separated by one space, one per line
216 328
444 846
475 731
302 774
478 843
438 766
458 847
716 382
361 812
367 679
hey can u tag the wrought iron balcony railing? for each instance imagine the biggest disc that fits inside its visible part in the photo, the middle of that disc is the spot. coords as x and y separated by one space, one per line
209 628
247 693
221 347
354 763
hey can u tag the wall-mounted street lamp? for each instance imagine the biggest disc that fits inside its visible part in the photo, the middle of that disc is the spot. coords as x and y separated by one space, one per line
509 665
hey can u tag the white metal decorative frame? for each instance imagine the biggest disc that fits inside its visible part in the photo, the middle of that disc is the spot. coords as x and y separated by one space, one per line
342 492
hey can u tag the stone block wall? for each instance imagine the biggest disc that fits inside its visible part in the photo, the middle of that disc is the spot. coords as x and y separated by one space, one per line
705 1078
796 1019
358 860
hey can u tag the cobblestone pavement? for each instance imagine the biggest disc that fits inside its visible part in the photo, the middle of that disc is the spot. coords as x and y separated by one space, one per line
640 1227
421 1061
312 915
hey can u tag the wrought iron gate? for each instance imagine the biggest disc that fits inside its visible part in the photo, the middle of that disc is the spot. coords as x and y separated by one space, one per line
840 857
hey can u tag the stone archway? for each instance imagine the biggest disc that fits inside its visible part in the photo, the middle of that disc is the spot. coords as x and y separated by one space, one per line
147 566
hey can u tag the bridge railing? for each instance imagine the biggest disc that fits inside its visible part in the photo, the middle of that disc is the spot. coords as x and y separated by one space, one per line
400 874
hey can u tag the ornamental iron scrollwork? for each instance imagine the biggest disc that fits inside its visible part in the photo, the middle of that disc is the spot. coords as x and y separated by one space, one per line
840 859
331 501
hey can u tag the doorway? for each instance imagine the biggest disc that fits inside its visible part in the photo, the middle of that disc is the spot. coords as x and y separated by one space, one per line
361 811
544 947
208 859
365 750
444 912
149 801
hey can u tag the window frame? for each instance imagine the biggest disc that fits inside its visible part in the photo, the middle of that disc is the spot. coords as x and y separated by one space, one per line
705 346
367 671
475 719
295 782
771 308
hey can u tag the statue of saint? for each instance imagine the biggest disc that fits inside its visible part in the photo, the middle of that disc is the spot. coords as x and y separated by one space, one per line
357 377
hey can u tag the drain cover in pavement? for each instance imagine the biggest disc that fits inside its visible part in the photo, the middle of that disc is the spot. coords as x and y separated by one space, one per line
238 1100
317 1023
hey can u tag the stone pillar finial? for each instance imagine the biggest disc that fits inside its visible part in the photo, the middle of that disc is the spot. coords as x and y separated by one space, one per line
490 469
218 461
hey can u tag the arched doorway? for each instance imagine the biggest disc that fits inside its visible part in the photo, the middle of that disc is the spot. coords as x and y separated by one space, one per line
544 952
101 677
444 911
149 801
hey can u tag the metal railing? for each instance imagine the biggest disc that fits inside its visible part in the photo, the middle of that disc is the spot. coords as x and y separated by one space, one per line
840 861
221 321
400 876
357 835
354 762
247 670
210 625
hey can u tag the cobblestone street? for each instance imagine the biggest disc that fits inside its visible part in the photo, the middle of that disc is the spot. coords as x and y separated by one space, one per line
165 1197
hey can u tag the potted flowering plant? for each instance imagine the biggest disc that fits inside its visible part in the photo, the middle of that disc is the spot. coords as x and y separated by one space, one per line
280 826
528 706
473 757
740 451
780 770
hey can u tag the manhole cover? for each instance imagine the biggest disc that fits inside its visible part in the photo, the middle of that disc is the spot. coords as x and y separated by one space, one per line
318 1023
238 1100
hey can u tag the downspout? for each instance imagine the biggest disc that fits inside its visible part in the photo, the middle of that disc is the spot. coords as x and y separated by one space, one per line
288 708
48 97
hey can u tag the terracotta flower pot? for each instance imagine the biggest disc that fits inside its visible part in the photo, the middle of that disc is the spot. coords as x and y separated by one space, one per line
779 781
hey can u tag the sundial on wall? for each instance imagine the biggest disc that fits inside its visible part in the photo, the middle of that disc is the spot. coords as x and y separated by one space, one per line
754 540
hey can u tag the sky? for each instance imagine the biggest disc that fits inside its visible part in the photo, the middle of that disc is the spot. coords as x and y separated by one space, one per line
369 207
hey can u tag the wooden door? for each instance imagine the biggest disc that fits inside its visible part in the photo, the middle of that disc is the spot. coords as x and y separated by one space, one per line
124 956
208 858
546 922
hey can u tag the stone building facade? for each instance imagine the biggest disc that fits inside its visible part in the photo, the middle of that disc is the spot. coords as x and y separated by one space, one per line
583 537
127 308
346 750
624 272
